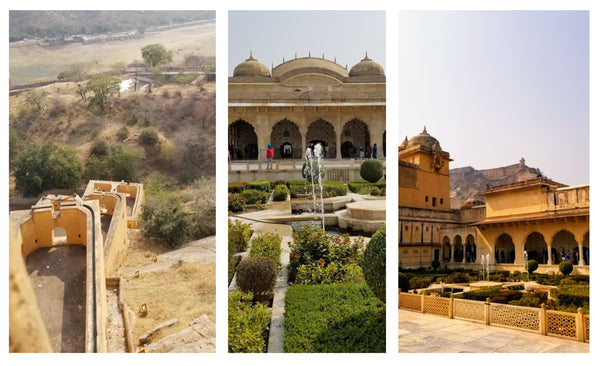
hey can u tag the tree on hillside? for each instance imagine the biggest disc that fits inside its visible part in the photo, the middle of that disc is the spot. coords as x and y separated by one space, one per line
123 161
156 54
42 167
104 87
75 72
36 98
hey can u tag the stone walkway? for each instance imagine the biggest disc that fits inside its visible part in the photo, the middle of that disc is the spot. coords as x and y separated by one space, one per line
425 333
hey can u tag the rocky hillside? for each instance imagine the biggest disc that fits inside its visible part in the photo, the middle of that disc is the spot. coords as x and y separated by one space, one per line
468 182
178 117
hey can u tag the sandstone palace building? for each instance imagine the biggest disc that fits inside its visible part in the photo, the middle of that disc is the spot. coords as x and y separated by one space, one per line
533 219
305 101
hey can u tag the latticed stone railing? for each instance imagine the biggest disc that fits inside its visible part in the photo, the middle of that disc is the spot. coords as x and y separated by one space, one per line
575 326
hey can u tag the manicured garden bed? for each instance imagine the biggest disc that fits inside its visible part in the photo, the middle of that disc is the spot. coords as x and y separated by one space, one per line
341 318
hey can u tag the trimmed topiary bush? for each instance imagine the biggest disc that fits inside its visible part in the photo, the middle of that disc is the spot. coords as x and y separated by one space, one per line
260 185
419 282
280 192
565 268
257 275
371 170
334 189
254 195
435 264
236 187
374 263
532 265
457 277
356 186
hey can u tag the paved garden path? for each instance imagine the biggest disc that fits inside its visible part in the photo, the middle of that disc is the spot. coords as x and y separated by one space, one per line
425 333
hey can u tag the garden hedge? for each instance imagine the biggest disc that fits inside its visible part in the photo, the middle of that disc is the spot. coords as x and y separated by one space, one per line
338 318
374 263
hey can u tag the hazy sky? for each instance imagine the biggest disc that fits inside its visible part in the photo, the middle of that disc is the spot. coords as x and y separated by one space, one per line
496 86
273 35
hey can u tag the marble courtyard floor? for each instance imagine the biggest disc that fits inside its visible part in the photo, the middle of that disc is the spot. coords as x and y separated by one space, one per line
425 333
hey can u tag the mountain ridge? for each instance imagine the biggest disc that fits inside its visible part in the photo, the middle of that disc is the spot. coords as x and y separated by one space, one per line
468 182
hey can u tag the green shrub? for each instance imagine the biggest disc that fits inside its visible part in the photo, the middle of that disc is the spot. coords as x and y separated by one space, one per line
374 263
457 277
165 218
277 183
236 202
419 282
42 167
99 148
435 264
236 187
371 170
96 168
532 265
317 273
260 185
124 161
316 247
257 275
574 296
528 300
330 188
565 268
280 193
403 282
496 295
148 136
248 324
357 186
267 245
238 238
337 318
334 189
254 195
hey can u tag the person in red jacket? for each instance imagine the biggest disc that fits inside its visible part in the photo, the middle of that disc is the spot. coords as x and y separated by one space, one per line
270 155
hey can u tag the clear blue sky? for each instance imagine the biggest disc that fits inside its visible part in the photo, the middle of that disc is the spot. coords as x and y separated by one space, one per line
274 35
495 86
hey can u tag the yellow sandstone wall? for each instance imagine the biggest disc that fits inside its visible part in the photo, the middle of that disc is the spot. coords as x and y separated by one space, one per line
27 332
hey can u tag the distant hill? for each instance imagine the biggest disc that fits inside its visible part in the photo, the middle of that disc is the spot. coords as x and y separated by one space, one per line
35 24
468 182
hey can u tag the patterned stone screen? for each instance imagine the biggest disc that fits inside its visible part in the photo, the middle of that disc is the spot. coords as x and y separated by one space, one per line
515 317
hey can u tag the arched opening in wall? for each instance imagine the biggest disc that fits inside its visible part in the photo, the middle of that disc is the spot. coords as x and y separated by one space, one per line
321 131
505 249
356 132
470 249
586 249
446 249
536 248
59 236
243 143
286 140
458 249
562 242
349 150
384 144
